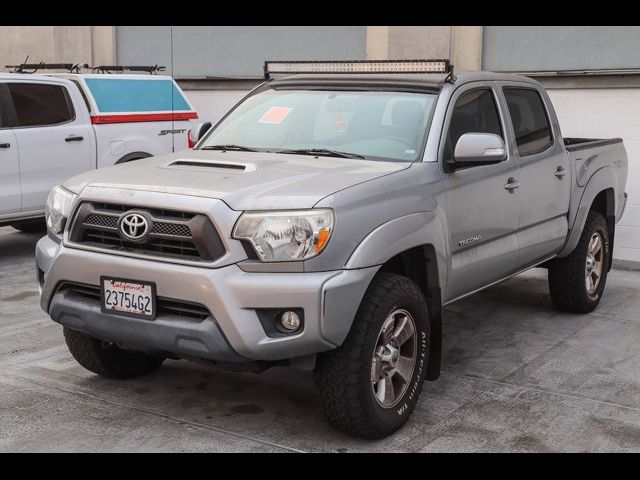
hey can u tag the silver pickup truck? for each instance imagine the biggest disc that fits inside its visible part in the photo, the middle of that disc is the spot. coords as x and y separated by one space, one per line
324 222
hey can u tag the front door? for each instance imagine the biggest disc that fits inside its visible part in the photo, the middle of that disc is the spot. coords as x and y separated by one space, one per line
483 209
53 142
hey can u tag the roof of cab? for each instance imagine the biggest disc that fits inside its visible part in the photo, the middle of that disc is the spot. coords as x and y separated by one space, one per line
72 76
23 76
412 81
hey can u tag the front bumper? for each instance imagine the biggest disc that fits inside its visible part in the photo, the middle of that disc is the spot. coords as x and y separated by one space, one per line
233 332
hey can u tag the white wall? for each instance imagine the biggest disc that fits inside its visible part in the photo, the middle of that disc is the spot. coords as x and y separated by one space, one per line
602 113
213 104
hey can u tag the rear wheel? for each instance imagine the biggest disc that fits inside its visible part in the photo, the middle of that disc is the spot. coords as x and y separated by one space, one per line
369 385
107 359
31 226
576 282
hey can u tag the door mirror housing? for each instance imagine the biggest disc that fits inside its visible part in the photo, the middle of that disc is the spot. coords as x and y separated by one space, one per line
197 132
475 149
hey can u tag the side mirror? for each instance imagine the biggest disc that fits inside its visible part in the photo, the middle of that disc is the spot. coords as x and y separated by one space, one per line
475 149
197 132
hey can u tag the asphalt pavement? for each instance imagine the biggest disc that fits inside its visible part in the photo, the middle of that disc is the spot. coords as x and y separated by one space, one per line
517 376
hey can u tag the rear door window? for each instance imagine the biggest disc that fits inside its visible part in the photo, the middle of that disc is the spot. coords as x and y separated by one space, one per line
531 125
40 104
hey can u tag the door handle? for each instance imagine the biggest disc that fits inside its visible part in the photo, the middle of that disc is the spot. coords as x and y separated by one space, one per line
560 172
73 138
512 184
5 145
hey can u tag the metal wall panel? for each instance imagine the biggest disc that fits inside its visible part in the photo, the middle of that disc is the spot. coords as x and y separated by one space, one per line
235 51
527 48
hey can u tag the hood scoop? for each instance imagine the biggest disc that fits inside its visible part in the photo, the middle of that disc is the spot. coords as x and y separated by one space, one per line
214 164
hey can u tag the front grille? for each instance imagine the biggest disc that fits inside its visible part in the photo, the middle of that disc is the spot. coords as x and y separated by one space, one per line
107 221
173 233
118 208
165 306
174 229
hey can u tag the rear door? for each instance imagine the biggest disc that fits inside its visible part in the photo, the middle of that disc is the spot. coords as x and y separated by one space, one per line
53 138
544 173
9 160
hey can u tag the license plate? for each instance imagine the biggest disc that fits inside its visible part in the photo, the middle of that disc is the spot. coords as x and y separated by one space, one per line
128 297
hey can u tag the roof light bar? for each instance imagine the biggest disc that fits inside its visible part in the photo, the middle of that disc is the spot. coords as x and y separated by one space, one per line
358 66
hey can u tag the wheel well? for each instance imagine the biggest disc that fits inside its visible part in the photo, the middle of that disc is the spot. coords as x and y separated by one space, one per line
420 265
133 156
605 204
411 264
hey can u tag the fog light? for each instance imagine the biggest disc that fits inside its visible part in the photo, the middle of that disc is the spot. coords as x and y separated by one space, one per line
290 320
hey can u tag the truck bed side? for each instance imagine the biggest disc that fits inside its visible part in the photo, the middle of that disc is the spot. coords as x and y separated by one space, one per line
597 165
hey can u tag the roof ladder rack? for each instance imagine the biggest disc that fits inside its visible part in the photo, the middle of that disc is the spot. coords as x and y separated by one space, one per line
152 69
34 67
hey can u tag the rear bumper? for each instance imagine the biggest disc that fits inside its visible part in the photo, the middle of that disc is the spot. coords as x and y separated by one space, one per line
232 332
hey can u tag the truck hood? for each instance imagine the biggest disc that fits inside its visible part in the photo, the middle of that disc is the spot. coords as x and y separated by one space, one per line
243 180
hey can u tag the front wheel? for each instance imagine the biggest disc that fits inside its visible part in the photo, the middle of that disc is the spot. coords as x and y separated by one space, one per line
369 385
106 358
577 281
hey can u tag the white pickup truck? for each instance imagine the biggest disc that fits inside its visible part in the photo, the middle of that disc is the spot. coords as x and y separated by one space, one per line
55 126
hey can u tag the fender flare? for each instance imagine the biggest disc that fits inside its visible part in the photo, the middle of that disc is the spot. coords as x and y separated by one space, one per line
399 235
603 179
133 156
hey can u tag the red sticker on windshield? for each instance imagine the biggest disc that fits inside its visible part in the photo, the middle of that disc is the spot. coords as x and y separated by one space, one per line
275 115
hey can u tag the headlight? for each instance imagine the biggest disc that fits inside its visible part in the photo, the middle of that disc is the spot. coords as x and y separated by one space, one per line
58 208
287 235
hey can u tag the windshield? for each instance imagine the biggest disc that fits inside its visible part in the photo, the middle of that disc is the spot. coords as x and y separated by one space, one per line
352 124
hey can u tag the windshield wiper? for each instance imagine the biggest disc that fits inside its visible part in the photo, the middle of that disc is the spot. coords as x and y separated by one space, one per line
239 148
322 151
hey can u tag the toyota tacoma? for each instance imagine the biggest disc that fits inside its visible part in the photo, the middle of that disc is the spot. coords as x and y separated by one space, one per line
324 222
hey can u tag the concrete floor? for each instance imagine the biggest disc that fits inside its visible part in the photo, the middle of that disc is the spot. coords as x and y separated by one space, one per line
518 376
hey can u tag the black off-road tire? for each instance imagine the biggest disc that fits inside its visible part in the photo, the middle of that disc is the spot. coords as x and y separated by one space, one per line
567 275
31 226
108 360
343 375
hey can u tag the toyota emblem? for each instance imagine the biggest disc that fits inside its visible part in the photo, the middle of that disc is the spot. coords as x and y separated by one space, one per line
134 226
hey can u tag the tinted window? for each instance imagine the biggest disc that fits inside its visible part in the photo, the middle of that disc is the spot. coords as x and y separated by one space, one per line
40 104
475 112
530 123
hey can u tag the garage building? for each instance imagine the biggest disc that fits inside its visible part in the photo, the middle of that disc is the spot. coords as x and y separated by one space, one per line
592 73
